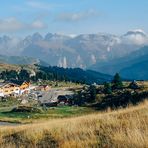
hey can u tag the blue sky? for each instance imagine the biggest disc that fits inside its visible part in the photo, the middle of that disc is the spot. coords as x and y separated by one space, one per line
22 17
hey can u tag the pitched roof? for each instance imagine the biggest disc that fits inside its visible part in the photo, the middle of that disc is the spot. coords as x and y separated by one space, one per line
7 83
18 82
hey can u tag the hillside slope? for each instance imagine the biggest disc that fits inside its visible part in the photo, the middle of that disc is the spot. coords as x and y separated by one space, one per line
77 74
21 60
137 71
4 67
61 74
122 128
132 63
80 51
9 67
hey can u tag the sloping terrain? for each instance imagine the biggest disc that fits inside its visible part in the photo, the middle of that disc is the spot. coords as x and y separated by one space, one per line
15 67
78 75
122 128
81 51
137 71
20 60
69 74
132 66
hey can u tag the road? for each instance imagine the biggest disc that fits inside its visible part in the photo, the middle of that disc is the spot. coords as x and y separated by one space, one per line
8 124
52 94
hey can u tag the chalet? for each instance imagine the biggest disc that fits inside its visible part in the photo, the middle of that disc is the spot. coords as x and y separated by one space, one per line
23 85
9 89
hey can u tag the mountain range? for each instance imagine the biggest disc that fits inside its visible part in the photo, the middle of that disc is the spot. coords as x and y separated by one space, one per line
102 52
132 66
80 51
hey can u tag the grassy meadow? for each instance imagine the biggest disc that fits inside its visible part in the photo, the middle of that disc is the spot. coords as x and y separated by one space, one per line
7 115
76 127
127 128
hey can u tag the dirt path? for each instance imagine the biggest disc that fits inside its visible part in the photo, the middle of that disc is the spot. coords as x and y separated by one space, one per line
8 124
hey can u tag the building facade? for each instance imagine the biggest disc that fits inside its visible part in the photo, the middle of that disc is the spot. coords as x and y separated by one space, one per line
14 89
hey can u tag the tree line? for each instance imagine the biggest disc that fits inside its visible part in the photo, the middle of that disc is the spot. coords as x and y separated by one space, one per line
89 94
26 76
76 75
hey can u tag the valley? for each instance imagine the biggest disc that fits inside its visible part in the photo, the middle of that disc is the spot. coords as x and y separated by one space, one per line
65 51
74 74
104 53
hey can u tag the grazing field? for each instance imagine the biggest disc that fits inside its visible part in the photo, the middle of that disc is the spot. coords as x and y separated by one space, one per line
121 128
8 67
7 115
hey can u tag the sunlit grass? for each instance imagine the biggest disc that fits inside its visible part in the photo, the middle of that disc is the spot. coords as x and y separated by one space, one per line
121 128
49 113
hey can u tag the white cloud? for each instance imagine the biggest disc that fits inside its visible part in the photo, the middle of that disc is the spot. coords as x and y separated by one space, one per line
76 16
38 5
42 5
137 37
12 25
38 25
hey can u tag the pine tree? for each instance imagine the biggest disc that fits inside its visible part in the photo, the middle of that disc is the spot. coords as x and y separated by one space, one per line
24 75
107 88
117 82
93 92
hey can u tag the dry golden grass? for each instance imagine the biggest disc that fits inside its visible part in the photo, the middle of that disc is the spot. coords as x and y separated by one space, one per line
4 66
127 128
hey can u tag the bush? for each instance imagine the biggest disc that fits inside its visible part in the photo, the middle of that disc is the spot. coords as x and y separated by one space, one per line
26 109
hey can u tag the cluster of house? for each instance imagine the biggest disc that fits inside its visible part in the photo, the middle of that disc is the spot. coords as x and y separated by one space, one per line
17 88
14 88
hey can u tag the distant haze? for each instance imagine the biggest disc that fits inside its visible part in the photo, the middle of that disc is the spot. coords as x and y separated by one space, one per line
80 51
